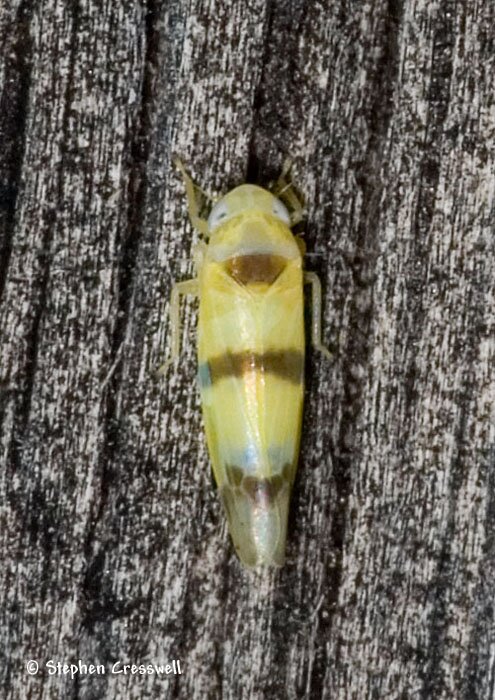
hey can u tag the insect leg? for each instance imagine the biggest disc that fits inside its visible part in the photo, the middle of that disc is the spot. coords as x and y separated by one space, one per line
192 206
284 189
312 279
180 289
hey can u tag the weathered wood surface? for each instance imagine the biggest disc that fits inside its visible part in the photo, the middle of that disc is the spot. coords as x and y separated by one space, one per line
113 542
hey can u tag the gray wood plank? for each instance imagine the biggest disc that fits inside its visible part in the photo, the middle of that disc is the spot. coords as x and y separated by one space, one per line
113 540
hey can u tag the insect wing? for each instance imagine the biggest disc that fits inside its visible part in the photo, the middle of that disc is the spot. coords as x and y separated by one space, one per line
251 357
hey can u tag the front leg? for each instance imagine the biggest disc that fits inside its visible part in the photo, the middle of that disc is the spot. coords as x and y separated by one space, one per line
312 279
192 205
180 289
284 189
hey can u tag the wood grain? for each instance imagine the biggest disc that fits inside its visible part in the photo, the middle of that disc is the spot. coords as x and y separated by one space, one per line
114 546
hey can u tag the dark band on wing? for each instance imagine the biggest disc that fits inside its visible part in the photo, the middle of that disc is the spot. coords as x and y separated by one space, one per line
260 267
261 492
286 364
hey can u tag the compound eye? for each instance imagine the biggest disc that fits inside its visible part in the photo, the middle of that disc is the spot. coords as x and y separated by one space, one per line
217 215
280 211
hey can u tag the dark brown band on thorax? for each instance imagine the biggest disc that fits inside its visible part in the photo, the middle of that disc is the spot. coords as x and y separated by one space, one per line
260 267
286 364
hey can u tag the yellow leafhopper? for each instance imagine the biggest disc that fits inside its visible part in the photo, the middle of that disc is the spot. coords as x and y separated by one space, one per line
251 344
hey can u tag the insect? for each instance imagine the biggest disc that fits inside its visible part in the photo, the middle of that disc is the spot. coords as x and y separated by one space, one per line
251 345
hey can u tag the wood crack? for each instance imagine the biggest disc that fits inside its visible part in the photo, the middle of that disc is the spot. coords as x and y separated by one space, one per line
14 101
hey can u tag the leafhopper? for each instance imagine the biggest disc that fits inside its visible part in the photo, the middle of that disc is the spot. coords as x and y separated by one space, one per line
250 281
